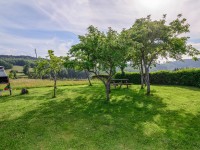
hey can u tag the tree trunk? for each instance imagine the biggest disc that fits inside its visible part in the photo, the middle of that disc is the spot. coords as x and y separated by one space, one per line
87 74
10 91
147 79
107 85
54 90
122 71
142 75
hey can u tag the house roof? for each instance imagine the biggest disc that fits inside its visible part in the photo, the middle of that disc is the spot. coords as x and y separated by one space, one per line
3 73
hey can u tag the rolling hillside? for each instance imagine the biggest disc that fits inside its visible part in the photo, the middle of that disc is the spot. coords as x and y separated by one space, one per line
186 63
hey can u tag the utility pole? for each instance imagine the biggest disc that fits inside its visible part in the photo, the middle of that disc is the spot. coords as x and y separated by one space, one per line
35 53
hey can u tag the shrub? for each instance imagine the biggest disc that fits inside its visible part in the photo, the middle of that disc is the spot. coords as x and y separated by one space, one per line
132 77
24 91
187 77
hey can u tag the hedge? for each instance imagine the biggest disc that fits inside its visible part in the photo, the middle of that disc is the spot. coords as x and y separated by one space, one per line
187 77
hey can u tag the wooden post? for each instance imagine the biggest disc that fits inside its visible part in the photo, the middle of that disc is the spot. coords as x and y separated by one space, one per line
10 91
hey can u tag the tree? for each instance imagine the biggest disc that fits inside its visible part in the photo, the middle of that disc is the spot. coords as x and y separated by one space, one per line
100 53
50 66
13 74
157 39
125 45
77 64
137 63
26 68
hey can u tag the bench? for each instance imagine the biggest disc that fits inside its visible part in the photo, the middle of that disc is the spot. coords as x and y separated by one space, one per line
120 82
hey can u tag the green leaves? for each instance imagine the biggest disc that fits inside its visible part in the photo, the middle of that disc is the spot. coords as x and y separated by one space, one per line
157 39
99 51
51 65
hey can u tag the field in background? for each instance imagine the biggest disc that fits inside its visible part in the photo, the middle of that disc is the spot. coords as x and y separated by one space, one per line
20 73
17 68
80 118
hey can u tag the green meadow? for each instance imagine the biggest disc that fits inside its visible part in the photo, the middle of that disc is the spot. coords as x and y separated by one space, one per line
80 118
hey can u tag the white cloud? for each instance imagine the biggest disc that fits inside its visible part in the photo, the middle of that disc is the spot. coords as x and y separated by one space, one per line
76 15
196 45
26 46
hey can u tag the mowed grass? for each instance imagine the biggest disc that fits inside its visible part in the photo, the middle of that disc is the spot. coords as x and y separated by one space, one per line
79 118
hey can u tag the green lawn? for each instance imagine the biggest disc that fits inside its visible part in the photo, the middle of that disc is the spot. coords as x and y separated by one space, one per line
79 118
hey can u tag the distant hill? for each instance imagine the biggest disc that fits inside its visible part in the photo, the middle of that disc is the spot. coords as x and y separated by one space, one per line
186 63
22 60
8 61
17 57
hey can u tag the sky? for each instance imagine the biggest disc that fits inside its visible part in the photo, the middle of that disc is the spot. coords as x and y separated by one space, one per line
26 25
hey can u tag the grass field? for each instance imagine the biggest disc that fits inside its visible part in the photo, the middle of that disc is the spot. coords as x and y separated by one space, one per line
20 73
79 118
36 83
17 68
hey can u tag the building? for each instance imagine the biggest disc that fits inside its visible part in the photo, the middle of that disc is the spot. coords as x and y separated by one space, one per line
3 76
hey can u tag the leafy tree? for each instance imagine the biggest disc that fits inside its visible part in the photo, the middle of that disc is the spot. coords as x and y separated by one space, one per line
26 68
6 64
100 53
79 65
125 45
13 74
155 39
50 66
137 63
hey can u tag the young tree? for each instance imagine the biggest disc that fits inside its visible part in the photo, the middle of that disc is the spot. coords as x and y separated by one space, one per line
50 66
157 39
26 68
100 53
13 74
77 65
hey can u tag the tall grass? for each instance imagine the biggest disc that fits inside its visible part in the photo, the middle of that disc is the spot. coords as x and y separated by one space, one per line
35 83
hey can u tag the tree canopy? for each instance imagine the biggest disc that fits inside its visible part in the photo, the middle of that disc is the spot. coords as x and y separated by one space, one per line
155 39
100 53
50 66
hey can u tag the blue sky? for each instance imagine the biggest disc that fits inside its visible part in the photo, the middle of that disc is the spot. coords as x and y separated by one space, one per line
55 24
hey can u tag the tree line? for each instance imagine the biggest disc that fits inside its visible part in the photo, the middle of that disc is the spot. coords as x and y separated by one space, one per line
143 45
9 61
28 62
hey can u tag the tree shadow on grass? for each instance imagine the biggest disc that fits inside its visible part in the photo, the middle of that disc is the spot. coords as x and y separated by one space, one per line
32 95
131 120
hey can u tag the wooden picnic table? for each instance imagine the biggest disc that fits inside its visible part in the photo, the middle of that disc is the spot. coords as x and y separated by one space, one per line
120 82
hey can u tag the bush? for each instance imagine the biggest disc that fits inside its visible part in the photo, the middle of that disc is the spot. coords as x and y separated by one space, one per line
187 77
24 91
132 77
13 74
